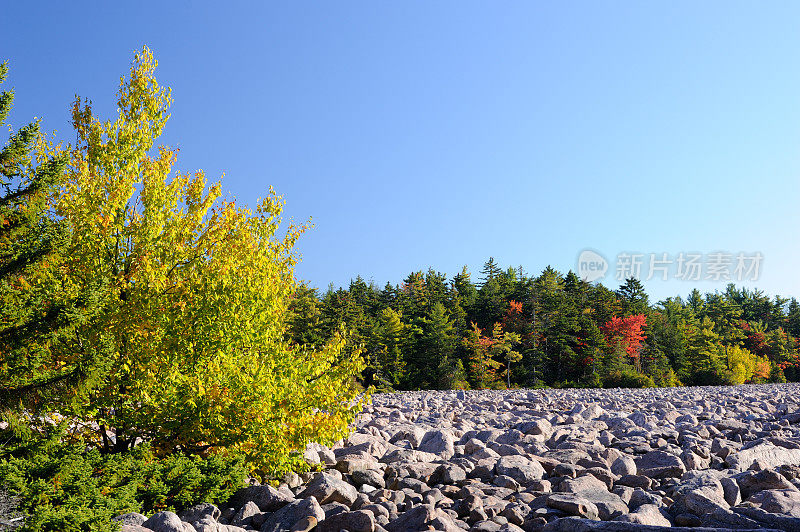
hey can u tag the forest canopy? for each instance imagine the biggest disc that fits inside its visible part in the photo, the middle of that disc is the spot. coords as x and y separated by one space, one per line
513 329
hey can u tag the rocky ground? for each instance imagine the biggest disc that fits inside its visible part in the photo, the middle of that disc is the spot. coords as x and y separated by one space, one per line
553 460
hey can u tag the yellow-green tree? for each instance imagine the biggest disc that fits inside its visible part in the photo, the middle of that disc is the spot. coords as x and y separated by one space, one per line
503 344
482 367
198 293
746 366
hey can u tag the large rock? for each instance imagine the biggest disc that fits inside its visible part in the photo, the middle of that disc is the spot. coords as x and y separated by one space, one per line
765 455
130 518
536 427
646 514
572 524
243 515
448 474
407 455
572 504
374 445
438 442
704 501
624 465
371 477
752 482
786 502
659 464
307 511
209 524
199 511
164 522
410 433
769 519
422 517
609 505
519 468
358 521
267 498
326 488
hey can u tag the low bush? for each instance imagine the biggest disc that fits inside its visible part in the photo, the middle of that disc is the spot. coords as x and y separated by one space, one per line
627 378
65 486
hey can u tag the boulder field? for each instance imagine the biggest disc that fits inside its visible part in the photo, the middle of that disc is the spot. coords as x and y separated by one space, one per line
706 458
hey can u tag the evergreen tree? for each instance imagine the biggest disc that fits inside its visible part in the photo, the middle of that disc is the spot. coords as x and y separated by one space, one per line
305 318
633 297
435 348
465 288
703 354
793 318
490 271
392 340
37 317
695 303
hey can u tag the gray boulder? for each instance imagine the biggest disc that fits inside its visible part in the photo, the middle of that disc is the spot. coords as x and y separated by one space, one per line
659 464
786 502
267 498
521 469
130 518
164 522
358 521
326 488
572 504
765 454
646 514
438 442
305 511
422 517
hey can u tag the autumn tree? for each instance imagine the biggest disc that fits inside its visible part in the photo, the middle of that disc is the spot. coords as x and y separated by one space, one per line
626 335
502 348
744 366
482 366
197 292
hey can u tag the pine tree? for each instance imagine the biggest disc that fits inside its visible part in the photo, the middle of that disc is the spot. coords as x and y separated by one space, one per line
703 354
793 318
465 288
304 322
436 348
633 297
36 317
490 271
392 340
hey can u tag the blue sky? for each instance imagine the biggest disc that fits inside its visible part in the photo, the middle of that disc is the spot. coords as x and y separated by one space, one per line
437 134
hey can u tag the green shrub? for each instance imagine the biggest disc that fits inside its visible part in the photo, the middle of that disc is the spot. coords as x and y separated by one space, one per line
66 487
627 378
666 379
710 377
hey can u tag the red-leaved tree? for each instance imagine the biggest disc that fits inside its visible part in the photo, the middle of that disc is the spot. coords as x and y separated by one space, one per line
626 334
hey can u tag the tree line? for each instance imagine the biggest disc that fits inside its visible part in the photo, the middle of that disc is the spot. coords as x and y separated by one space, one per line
513 329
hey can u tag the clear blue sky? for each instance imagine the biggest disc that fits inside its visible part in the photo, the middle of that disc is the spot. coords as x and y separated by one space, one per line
435 134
